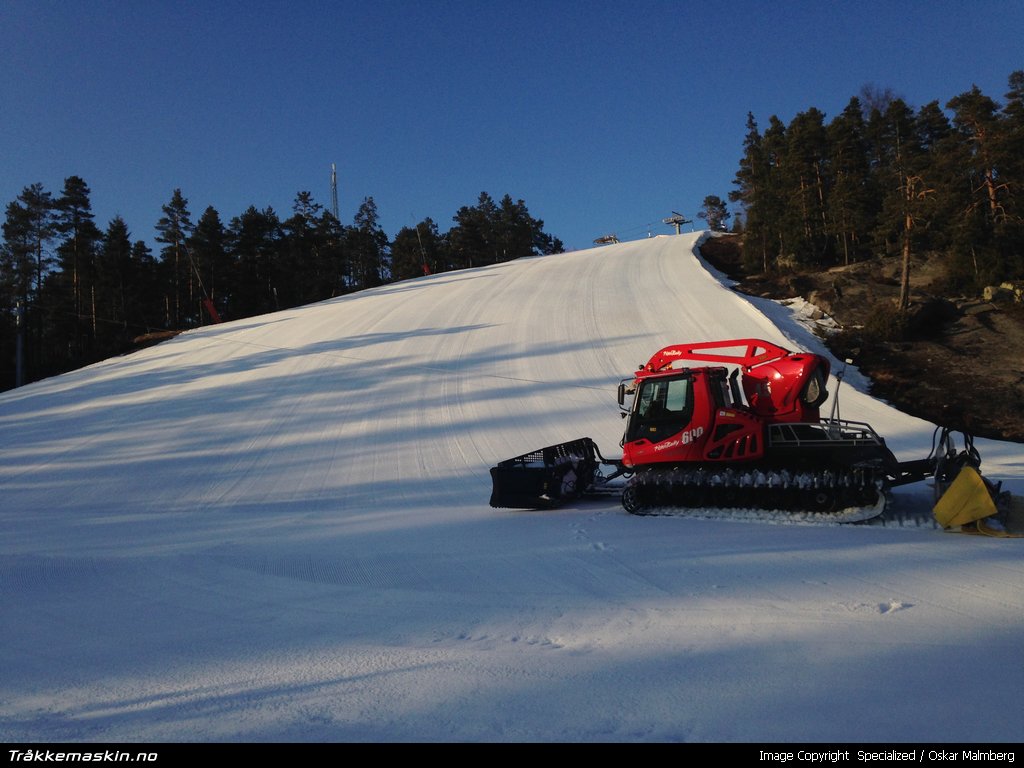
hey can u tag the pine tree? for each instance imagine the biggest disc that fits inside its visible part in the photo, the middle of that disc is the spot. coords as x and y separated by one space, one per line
936 139
715 212
25 260
417 251
991 165
28 231
128 294
751 184
849 207
142 300
174 228
1012 150
254 240
1012 168
333 256
907 187
775 211
976 117
893 161
368 246
545 243
472 237
115 285
300 285
212 265
76 253
513 229
808 186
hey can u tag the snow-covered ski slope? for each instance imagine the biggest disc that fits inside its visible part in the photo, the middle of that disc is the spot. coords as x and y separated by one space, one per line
277 529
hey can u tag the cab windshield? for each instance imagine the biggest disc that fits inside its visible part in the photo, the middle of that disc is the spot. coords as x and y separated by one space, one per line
663 407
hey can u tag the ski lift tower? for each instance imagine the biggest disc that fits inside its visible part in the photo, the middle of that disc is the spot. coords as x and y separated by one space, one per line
677 220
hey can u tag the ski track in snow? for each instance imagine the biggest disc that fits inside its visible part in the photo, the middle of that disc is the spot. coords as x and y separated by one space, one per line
278 529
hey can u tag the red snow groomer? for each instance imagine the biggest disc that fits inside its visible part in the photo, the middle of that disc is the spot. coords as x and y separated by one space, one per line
742 430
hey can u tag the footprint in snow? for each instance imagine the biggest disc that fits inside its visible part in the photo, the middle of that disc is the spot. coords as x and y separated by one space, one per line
892 606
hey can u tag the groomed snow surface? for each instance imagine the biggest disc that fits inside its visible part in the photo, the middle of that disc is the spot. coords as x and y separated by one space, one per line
278 530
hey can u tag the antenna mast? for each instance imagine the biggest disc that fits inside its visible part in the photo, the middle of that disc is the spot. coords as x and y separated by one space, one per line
334 191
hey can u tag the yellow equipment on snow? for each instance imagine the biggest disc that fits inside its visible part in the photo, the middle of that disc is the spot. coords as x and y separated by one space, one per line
965 501
969 505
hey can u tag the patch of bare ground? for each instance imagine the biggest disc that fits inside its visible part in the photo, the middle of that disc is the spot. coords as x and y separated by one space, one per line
955 360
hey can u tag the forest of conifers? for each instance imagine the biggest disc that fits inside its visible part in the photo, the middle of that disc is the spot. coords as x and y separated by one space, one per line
879 179
71 294
883 179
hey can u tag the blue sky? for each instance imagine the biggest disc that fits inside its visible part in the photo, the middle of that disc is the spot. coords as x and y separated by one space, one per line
604 117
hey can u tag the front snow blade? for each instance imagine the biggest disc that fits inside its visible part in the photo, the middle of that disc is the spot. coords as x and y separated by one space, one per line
545 478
